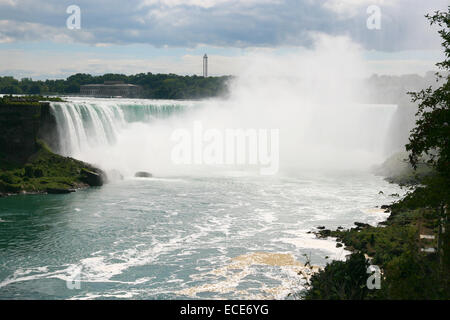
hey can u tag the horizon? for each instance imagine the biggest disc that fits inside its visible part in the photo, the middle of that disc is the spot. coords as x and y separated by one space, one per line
423 75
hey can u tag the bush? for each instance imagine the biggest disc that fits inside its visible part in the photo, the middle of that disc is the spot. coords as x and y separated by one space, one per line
29 171
7 177
341 280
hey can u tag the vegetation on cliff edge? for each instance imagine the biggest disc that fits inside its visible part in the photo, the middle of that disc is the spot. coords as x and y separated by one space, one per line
46 171
27 100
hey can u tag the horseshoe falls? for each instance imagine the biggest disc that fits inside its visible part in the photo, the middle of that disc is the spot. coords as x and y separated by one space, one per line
137 135
193 231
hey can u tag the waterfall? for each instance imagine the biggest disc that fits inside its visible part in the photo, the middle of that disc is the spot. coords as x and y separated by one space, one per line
131 136
87 124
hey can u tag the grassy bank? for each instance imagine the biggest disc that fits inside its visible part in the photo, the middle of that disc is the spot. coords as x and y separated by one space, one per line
27 100
48 172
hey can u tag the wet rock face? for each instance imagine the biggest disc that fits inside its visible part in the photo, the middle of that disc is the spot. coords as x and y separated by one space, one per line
93 177
21 126
48 129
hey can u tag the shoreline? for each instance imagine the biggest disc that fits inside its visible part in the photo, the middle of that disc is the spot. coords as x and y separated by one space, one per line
404 248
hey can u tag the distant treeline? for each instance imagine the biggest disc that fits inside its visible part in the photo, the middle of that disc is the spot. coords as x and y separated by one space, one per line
393 89
155 86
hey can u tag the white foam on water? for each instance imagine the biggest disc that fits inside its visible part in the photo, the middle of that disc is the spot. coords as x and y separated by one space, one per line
266 215
313 244
281 267
197 242
118 294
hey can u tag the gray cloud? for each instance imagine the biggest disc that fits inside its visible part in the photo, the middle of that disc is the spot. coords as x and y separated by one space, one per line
227 23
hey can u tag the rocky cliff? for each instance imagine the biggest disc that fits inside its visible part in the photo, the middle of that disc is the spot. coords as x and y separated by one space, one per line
27 164
21 125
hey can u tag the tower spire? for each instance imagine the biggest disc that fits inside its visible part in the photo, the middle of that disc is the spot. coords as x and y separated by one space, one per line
205 66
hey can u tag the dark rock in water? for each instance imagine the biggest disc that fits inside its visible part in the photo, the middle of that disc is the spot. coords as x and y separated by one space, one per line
338 245
323 233
143 174
381 192
93 178
320 227
340 228
59 191
384 206
362 225
394 195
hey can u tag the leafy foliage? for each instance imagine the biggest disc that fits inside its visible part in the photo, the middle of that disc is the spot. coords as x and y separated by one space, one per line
340 280
32 100
431 136
408 273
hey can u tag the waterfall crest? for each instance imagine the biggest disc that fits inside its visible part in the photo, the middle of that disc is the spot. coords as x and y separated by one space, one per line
88 124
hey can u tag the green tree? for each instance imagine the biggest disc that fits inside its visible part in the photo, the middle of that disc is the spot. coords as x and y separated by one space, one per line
431 136
340 280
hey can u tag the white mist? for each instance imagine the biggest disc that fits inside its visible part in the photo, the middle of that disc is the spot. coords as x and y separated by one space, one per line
310 96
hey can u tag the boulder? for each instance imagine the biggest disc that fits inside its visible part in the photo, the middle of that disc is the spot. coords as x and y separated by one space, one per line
394 195
143 174
93 179
361 225
325 233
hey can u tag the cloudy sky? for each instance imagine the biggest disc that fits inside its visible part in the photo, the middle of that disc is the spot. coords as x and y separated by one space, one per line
163 36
